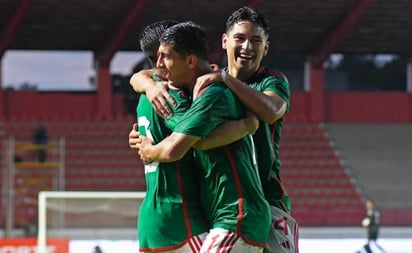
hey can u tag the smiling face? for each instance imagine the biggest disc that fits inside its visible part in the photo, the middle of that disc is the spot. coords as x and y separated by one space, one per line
246 44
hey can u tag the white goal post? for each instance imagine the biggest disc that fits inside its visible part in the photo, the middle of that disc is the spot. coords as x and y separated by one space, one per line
81 202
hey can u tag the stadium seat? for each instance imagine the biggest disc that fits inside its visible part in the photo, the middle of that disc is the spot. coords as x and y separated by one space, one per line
98 158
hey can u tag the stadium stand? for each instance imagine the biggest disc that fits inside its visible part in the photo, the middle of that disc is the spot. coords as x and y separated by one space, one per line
324 166
378 157
98 158
316 179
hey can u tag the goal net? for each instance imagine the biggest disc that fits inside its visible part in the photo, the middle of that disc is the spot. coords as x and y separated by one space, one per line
87 215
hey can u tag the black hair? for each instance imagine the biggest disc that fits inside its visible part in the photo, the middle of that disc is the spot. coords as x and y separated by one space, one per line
187 38
149 39
249 14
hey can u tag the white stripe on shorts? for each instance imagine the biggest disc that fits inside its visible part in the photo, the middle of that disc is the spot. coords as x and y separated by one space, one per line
195 243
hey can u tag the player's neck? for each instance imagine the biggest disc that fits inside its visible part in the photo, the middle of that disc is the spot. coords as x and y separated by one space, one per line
202 69
241 74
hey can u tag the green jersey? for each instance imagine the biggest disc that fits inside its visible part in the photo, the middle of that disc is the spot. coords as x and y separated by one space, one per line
267 137
231 189
171 211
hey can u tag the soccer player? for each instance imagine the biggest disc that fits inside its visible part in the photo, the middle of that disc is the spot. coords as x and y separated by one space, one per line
230 187
171 217
267 95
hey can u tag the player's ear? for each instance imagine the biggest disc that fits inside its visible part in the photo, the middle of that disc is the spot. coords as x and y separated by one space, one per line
266 48
224 41
192 61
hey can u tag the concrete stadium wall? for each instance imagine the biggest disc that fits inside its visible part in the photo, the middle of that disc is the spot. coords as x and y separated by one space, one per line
339 107
26 104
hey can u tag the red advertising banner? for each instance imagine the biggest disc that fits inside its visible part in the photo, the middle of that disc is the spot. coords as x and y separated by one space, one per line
29 245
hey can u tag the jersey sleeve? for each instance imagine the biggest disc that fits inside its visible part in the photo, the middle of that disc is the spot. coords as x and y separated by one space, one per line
215 106
182 105
278 83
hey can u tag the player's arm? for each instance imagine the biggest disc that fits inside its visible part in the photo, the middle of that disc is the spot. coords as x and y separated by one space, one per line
229 132
268 106
156 91
142 80
203 81
170 149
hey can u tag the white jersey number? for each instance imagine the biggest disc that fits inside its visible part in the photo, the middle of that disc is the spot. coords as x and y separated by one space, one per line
144 122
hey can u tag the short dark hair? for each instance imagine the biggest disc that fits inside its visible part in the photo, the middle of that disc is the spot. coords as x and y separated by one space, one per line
249 14
187 38
149 39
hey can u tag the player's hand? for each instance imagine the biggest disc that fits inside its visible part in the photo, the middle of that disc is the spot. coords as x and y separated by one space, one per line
158 97
204 81
144 149
134 138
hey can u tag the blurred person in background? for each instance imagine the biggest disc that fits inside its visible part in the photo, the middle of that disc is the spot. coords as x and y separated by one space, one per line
40 138
97 249
372 223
